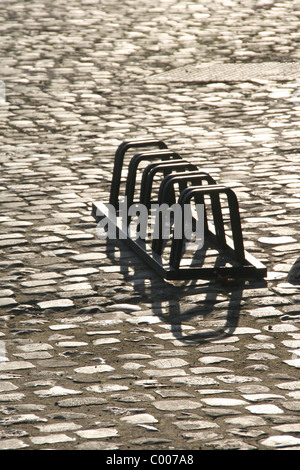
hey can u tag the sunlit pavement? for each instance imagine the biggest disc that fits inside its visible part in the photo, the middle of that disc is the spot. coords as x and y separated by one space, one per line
96 351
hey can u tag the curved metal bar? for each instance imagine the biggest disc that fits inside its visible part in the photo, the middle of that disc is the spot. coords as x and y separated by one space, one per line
171 179
213 192
164 155
167 188
216 211
151 170
118 164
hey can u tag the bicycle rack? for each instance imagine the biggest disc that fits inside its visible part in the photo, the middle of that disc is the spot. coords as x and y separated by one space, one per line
167 257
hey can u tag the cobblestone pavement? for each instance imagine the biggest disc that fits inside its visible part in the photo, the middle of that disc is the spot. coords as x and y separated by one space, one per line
96 351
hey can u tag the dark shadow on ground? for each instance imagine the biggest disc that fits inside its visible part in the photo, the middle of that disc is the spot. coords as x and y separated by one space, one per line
175 302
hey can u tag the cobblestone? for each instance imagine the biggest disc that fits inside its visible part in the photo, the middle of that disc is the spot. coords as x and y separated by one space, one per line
96 351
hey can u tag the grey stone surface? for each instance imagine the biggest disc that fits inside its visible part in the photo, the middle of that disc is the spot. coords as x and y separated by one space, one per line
96 351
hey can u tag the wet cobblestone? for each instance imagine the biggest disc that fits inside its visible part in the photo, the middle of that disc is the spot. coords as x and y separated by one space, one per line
96 351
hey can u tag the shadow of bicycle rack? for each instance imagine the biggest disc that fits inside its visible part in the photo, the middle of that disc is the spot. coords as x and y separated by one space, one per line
168 178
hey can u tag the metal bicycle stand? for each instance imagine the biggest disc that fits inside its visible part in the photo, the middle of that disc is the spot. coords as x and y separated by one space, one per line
170 171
